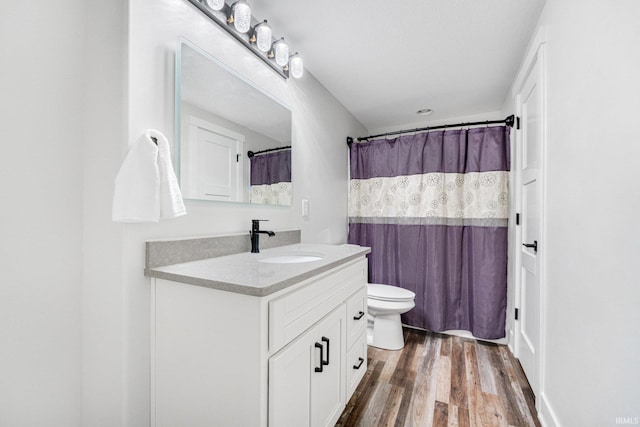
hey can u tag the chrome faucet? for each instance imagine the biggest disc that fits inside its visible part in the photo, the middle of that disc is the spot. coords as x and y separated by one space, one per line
255 235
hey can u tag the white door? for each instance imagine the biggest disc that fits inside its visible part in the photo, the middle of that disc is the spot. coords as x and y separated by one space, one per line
214 168
529 295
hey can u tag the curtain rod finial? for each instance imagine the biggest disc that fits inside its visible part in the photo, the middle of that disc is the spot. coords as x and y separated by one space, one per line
509 121
349 141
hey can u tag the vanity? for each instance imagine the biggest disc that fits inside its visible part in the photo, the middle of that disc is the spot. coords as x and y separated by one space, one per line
276 338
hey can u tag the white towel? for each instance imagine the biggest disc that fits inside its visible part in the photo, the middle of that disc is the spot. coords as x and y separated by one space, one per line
146 187
171 204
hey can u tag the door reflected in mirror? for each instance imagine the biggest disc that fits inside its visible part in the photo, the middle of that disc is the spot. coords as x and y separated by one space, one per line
234 141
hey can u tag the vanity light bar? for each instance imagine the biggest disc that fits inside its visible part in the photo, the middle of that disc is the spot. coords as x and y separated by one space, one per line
224 18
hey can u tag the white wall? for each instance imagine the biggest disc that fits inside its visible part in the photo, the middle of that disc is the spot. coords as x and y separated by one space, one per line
41 112
592 374
103 315
116 299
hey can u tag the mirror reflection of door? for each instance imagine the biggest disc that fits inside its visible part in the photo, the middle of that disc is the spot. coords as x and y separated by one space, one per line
212 155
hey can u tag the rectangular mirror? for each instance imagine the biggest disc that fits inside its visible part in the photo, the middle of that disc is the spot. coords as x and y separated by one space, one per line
233 140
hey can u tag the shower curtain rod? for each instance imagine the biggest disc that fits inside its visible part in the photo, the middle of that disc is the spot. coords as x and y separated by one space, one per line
253 153
509 121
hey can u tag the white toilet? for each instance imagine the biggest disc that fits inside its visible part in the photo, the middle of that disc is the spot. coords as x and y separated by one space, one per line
385 304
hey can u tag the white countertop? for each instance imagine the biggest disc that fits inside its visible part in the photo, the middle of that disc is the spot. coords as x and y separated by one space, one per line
243 273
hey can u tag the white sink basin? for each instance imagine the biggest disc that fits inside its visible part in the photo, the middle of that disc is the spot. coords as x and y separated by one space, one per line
293 258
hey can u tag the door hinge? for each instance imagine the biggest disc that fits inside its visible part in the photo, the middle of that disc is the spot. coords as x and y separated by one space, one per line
516 314
517 219
517 122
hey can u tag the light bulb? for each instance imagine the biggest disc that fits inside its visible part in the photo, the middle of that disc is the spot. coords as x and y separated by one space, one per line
241 13
215 4
296 67
263 35
281 51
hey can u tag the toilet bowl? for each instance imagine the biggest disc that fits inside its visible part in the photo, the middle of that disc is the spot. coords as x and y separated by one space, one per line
385 305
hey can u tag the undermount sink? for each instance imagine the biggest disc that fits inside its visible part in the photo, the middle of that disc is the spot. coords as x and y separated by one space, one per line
292 258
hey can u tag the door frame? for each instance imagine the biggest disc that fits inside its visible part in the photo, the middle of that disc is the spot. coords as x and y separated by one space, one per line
536 53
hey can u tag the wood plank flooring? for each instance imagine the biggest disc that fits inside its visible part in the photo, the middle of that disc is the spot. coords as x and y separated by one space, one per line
440 380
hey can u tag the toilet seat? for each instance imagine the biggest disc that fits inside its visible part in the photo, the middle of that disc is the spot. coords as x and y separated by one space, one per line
388 293
376 305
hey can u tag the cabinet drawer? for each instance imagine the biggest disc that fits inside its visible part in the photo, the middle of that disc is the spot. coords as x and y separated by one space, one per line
356 364
293 313
356 315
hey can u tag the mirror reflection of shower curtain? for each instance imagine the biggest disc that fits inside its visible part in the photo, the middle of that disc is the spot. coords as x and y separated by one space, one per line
271 178
434 207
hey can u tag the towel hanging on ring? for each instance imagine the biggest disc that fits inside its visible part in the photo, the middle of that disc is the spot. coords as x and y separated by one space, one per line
146 187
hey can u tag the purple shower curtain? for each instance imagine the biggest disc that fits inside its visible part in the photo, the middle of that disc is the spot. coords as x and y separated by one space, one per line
271 178
434 207
271 168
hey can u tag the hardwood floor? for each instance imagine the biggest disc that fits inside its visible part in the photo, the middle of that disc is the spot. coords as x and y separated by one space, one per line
440 380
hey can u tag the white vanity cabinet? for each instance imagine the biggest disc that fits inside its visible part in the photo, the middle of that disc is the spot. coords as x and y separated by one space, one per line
290 358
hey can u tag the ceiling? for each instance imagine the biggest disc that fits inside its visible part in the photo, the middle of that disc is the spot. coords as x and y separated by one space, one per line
385 60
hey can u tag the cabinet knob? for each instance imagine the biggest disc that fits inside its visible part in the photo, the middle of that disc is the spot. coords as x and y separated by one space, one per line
359 316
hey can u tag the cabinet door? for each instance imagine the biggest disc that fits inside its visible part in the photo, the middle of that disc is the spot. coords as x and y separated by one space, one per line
306 385
327 387
290 384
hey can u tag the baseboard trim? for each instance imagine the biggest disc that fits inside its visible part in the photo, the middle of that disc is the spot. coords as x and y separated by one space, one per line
546 415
